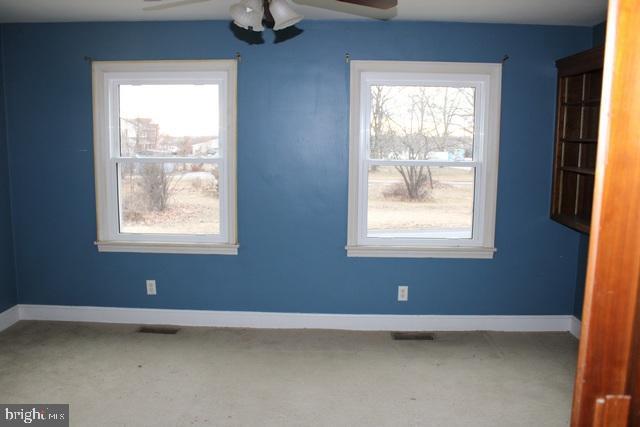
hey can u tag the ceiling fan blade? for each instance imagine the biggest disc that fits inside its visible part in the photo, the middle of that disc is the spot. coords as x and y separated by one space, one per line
170 5
378 4
354 7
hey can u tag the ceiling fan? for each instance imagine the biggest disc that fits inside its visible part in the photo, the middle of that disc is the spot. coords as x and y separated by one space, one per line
254 15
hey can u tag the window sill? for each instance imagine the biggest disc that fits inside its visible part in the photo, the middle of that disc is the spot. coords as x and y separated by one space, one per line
168 248
419 252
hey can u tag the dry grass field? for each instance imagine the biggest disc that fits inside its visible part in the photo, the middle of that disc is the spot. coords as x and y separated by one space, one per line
449 205
193 207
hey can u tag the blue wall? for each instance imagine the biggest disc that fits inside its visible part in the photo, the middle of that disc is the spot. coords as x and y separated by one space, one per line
598 35
292 156
8 296
583 252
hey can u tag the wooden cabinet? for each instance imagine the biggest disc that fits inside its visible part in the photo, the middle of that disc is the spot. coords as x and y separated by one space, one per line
576 140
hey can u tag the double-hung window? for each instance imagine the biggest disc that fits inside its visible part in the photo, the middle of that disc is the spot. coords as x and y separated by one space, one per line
165 156
423 160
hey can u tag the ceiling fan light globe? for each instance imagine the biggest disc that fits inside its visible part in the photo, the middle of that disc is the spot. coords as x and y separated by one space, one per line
248 14
283 15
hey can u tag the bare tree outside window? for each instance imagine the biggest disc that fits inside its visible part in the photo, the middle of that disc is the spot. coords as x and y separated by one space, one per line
420 123
380 119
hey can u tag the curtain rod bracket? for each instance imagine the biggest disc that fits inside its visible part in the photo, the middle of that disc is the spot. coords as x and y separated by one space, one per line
505 58
347 57
238 57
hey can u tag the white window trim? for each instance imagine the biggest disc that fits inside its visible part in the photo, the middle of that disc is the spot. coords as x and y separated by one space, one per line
484 76
109 73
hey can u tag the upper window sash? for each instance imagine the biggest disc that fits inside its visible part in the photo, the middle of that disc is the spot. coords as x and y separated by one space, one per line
477 81
114 80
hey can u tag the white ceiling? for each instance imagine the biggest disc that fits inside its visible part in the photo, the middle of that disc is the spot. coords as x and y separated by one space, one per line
549 12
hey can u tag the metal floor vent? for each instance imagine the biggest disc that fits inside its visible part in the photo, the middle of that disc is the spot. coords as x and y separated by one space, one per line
412 336
164 330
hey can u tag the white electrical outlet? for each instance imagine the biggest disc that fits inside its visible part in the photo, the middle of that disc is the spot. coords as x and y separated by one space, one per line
403 293
151 287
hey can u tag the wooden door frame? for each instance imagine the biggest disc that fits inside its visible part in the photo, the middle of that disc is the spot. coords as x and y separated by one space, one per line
607 379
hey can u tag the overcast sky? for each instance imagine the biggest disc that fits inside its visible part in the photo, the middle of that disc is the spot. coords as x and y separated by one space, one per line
180 110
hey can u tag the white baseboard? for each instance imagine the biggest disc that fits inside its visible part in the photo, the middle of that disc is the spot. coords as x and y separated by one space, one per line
266 320
9 317
575 327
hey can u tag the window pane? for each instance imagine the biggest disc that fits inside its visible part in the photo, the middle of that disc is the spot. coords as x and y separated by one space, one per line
169 120
420 202
422 122
169 198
